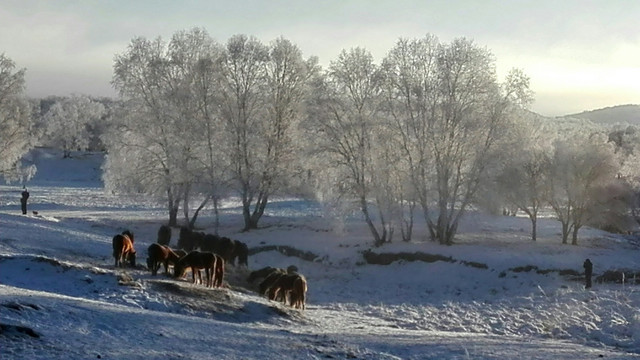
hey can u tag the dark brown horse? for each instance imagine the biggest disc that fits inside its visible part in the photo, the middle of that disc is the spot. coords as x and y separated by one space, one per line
189 240
160 254
123 250
262 273
164 235
240 252
197 260
220 245
292 286
271 279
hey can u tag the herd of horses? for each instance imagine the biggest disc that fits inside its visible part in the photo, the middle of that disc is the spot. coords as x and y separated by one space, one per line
198 252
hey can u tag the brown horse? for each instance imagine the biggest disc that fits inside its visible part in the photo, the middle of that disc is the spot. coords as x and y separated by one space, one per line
164 235
189 240
160 254
197 260
271 279
240 252
299 293
294 285
123 249
179 252
262 273
220 245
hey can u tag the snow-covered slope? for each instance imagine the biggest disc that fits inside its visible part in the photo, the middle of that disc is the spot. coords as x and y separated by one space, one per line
57 280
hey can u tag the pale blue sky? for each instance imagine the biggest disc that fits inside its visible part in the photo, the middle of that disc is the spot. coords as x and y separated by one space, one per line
579 54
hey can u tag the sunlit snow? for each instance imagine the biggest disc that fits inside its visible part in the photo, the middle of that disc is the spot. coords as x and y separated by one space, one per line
57 278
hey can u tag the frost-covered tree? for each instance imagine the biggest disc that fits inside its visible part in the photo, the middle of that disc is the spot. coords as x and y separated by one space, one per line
261 92
473 117
209 167
68 123
451 116
580 170
191 55
523 184
241 86
144 148
626 142
16 125
345 129
287 76
411 78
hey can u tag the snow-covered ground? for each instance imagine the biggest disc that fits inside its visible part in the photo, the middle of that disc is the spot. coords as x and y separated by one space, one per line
57 279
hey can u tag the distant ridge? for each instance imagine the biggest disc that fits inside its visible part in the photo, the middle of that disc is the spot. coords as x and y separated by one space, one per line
611 116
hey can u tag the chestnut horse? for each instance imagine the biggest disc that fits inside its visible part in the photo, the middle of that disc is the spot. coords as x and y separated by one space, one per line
298 293
123 249
197 260
294 285
160 254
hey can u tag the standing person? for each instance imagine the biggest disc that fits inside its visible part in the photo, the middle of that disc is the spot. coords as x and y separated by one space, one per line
23 200
588 270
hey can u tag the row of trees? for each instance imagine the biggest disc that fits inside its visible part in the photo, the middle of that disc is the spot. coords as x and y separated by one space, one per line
579 180
429 131
201 118
420 130
68 123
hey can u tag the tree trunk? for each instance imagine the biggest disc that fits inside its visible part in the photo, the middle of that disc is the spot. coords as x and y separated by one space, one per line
173 216
246 215
574 237
185 208
261 204
534 228
192 222
406 228
377 239
216 217
565 232
174 206
246 211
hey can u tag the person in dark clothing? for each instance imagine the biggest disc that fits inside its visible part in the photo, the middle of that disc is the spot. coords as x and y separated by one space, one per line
588 270
23 200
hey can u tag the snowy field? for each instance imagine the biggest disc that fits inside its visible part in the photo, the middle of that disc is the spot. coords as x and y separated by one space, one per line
62 298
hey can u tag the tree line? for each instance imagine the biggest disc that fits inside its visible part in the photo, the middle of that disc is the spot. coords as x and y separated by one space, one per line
428 131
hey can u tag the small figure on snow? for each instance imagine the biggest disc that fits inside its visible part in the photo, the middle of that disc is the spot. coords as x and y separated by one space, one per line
588 270
23 200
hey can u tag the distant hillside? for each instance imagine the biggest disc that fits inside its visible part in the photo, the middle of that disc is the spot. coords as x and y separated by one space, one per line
610 116
561 126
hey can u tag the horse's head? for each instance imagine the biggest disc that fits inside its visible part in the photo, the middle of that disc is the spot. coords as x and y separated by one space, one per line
149 263
132 259
244 255
178 270
129 234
